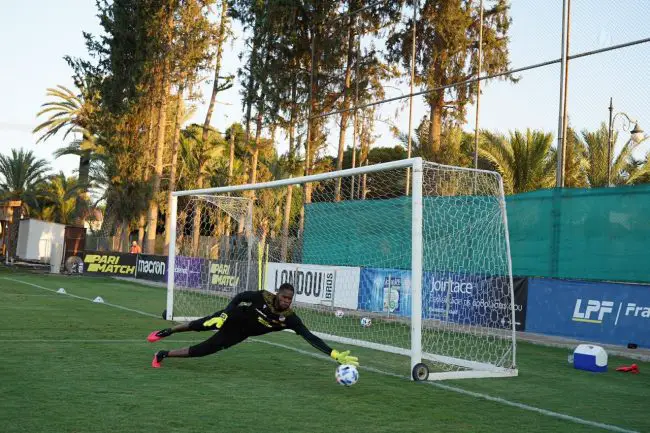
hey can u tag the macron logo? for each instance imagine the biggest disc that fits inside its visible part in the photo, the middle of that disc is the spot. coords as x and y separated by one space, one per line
599 307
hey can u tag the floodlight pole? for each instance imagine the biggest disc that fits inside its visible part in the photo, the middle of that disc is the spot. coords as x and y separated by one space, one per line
478 85
559 172
410 133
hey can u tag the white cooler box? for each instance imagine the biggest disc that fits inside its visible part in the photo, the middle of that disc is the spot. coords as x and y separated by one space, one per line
590 358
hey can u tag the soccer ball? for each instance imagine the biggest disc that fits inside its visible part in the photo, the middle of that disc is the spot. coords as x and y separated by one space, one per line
366 322
339 313
347 375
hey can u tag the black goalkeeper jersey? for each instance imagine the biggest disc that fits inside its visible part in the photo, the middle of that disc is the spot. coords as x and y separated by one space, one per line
253 313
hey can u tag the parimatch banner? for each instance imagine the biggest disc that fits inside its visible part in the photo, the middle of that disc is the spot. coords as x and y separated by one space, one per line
228 276
103 263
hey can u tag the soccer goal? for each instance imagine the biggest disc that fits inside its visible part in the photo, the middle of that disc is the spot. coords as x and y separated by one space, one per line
408 260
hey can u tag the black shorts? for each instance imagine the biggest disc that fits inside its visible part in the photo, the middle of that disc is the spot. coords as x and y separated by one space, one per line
219 341
222 339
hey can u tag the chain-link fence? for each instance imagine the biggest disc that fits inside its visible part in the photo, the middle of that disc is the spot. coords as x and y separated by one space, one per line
496 65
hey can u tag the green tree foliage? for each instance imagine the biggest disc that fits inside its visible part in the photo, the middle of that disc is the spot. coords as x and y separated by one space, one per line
57 199
447 53
625 168
524 159
21 174
73 113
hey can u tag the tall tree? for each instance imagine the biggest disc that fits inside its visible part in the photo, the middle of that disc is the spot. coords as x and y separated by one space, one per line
125 194
447 53
640 170
178 115
360 71
193 36
134 56
218 85
162 83
73 113
264 21
252 15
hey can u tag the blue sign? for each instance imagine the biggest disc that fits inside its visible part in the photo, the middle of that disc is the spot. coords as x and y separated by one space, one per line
446 297
594 311
450 297
473 299
385 290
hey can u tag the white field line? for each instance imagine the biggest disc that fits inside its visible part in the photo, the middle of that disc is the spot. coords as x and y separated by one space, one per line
85 299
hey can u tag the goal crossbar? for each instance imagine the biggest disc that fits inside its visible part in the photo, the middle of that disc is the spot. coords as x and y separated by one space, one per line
402 163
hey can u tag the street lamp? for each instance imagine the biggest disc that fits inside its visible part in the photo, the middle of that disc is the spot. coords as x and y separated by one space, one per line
636 135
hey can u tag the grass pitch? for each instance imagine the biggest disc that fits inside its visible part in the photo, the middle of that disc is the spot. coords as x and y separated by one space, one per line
70 365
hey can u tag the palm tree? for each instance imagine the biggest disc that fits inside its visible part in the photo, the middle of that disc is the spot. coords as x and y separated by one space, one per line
72 113
625 169
198 158
57 199
20 176
525 160
576 164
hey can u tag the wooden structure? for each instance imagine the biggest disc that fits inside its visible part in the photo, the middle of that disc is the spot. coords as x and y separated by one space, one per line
10 213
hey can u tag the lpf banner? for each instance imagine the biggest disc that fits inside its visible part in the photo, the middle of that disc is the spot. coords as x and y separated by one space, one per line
228 275
103 263
191 272
152 268
337 286
594 311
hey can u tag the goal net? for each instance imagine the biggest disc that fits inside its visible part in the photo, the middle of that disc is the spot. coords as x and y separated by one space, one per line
408 261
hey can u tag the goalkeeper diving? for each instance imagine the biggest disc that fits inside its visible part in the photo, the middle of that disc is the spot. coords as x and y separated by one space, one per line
248 314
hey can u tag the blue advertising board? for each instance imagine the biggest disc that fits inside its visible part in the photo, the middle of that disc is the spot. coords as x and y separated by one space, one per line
467 299
594 311
385 290
458 298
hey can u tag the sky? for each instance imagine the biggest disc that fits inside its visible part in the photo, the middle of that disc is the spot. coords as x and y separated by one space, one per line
35 35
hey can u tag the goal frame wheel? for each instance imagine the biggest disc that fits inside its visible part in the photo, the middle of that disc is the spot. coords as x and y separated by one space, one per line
420 372
164 314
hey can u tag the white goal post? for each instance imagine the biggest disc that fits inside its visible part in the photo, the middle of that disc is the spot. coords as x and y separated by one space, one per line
427 265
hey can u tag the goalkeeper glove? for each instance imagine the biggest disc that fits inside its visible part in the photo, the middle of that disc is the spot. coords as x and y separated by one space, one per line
216 321
345 358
